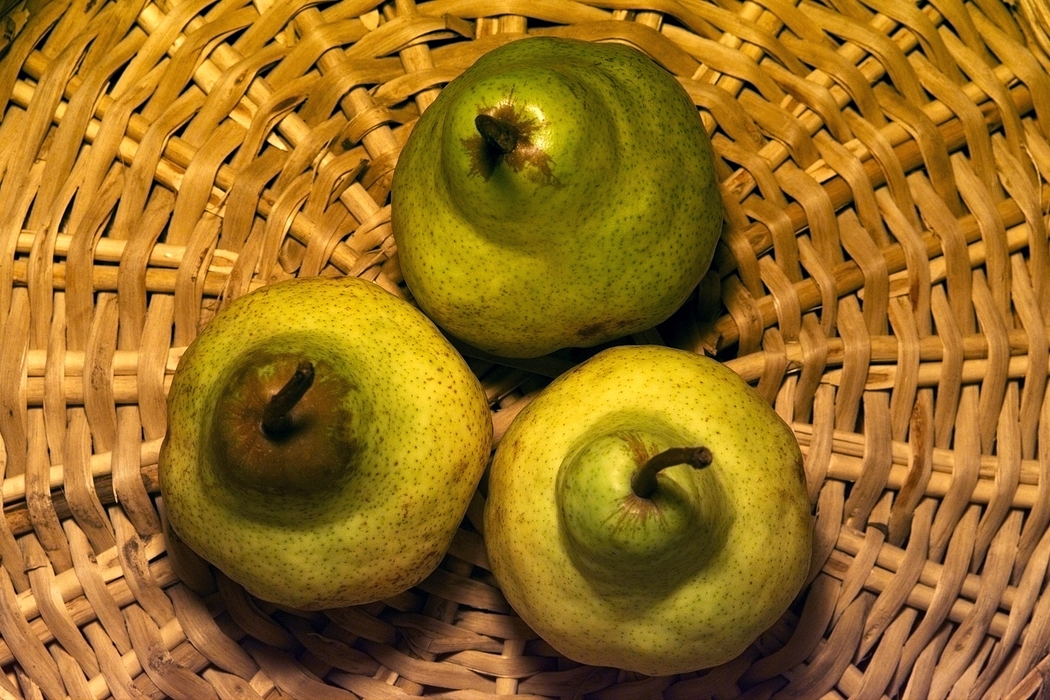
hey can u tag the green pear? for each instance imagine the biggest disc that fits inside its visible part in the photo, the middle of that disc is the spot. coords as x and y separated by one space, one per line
648 511
324 440
558 193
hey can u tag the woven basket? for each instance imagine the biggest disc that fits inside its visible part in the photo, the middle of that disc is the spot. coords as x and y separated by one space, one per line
883 279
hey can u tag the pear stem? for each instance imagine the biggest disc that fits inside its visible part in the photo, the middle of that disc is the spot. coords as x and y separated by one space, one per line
277 419
643 483
497 133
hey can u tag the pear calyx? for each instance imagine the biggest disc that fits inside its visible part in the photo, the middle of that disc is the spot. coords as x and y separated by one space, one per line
643 482
281 426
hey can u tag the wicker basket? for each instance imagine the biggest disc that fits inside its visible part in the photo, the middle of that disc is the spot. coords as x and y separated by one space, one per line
883 279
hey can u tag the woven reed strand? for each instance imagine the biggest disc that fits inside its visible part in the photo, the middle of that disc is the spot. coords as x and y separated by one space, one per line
883 279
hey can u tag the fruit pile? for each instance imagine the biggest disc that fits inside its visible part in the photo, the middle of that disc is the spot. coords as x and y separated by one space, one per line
646 511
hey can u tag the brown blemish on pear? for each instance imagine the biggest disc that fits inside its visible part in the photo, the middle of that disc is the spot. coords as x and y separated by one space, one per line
282 431
603 329
506 135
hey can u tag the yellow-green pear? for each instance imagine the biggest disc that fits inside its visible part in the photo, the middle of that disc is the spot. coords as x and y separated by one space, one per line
558 193
648 511
324 440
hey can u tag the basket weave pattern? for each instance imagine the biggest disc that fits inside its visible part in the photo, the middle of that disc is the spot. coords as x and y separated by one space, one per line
883 279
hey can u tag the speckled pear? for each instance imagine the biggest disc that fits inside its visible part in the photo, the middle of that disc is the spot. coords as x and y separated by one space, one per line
324 440
648 511
558 193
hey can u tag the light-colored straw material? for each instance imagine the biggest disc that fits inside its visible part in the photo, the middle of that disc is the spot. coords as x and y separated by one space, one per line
883 279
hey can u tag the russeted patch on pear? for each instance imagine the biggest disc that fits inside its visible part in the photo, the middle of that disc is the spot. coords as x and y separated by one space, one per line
505 135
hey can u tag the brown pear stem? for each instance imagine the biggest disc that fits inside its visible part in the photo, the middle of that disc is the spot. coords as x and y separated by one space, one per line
497 133
277 419
643 483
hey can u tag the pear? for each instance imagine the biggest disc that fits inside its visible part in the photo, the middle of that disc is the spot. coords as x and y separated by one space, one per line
648 511
558 193
324 440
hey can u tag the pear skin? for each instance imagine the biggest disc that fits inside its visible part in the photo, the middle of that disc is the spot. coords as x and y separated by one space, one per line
671 577
595 218
324 440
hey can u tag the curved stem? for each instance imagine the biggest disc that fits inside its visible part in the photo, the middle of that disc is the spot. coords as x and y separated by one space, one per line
497 133
277 419
643 483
